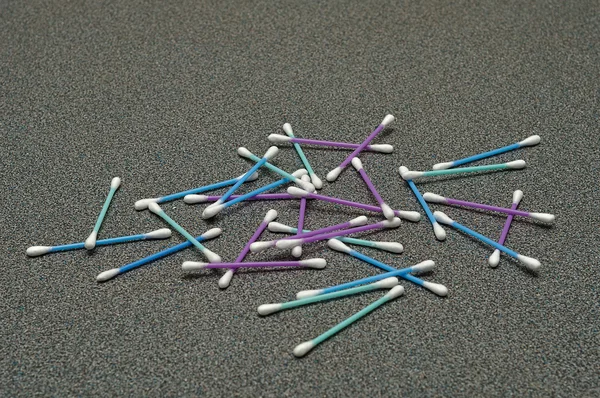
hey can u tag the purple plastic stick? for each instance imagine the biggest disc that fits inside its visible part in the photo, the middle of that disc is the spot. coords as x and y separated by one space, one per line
330 143
372 188
258 264
348 224
495 257
302 214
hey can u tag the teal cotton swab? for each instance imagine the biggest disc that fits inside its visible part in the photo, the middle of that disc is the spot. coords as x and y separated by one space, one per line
316 181
516 164
90 242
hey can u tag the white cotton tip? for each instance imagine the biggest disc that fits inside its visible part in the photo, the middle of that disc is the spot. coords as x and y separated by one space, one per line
317 263
212 256
436 288
439 232
393 223
517 196
308 293
278 138
299 173
424 266
307 186
106 275
288 243
270 216
244 152
258 247
387 283
297 251
338 245
191 199
516 164
287 128
267 309
316 181
396 291
142 204
544 217
333 174
154 208
358 221
442 166
279 227
410 175
212 211
413 216
297 192
494 259
162 233
271 153
442 217
218 202
388 119
253 177
192 265
433 198
382 148
303 349
35 251
530 141
115 183
90 242
530 262
388 212
305 178
212 233
392 247
357 164
226 279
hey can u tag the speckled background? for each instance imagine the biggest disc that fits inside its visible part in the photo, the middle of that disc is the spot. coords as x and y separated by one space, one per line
162 93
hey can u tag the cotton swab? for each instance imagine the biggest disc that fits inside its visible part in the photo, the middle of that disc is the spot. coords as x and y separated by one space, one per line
392 247
303 348
143 203
111 273
334 174
226 278
387 210
90 242
192 199
516 164
244 152
317 263
212 257
421 267
433 198
211 211
440 233
436 288
529 262
162 233
299 193
313 177
289 243
495 257
529 141
267 309
279 139
297 251
258 247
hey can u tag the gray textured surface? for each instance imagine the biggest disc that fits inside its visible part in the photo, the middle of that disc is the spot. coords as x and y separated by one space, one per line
162 94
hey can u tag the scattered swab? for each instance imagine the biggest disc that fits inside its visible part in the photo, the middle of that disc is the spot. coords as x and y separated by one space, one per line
90 242
211 211
143 203
192 199
334 174
440 233
287 244
529 141
387 210
303 348
111 273
436 288
516 164
424 266
267 309
313 177
392 247
226 278
297 192
162 233
529 262
279 139
317 263
297 251
433 198
495 257
212 257
244 152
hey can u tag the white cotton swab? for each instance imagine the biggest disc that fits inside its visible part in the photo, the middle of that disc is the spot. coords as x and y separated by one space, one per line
514 165
387 210
90 242
287 128
495 257
297 251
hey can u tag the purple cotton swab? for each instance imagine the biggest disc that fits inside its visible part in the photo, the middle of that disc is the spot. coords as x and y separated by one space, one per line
297 251
278 138
226 279
495 257
191 199
387 210
317 263
334 174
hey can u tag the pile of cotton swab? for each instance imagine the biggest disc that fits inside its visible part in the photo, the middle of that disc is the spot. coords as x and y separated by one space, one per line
337 238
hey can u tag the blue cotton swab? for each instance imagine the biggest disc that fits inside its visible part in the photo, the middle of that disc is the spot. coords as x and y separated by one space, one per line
529 141
316 181
514 165
90 242
162 233
111 273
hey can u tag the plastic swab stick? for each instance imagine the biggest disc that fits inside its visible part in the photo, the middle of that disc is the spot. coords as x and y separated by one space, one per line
90 242
279 139
317 263
313 177
387 210
516 164
495 257
297 251
530 141
191 199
